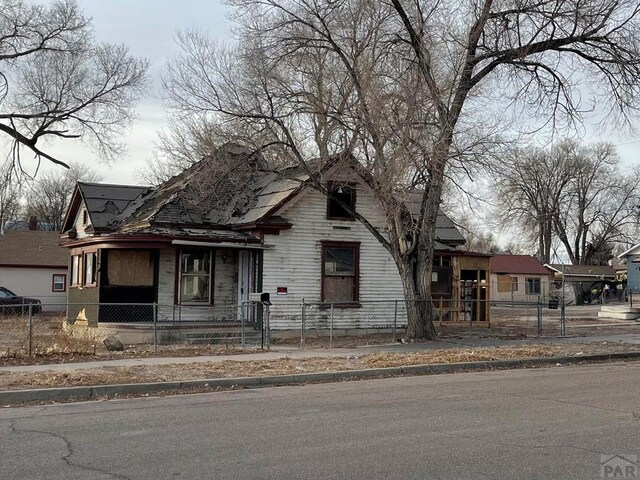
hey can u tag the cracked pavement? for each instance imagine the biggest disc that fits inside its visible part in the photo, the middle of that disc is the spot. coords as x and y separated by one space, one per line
525 424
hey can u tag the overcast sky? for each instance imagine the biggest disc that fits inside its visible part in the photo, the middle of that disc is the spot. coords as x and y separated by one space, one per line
148 28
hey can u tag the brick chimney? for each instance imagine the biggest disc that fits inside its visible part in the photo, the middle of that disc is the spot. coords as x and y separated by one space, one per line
33 223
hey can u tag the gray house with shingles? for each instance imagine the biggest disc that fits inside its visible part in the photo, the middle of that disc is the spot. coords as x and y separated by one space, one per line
228 226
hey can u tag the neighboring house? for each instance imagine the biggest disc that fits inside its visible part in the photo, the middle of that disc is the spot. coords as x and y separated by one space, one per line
187 247
32 264
632 259
519 278
586 280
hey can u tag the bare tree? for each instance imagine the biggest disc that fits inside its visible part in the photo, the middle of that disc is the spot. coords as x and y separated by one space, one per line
182 145
573 194
531 186
411 90
600 207
48 195
57 82
10 193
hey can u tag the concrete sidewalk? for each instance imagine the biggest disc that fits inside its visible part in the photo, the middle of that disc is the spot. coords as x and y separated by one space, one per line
278 352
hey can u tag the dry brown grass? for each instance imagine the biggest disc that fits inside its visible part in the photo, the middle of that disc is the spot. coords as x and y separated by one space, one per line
284 366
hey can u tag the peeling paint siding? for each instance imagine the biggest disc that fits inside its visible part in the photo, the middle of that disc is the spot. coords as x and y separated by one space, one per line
225 278
224 289
79 224
294 261
166 276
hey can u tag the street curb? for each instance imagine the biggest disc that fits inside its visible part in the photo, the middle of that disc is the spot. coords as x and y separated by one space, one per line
61 394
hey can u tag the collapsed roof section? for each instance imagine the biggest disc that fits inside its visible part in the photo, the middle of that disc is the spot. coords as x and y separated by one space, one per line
232 191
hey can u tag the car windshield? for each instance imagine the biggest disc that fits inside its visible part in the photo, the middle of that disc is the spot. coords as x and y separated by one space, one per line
5 293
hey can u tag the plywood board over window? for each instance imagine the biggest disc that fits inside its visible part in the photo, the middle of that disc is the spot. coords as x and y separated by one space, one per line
129 268
504 283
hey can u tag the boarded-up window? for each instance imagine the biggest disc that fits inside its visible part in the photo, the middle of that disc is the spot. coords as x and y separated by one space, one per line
129 268
507 283
340 272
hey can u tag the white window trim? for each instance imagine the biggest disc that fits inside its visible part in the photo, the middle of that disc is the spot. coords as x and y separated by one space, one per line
208 302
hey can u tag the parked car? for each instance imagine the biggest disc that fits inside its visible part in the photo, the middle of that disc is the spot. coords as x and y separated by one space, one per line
11 304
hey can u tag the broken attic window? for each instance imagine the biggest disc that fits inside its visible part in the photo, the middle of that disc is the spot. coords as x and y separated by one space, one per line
344 193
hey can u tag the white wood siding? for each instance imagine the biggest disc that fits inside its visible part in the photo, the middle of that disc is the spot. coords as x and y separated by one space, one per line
224 290
79 223
166 276
225 281
293 260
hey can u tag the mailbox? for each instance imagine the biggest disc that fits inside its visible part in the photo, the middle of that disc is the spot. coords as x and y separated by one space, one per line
262 297
553 303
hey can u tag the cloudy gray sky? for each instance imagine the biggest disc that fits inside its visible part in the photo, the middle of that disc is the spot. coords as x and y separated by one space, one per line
148 28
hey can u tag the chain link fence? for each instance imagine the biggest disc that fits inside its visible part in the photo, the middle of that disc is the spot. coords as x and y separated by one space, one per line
31 330
99 329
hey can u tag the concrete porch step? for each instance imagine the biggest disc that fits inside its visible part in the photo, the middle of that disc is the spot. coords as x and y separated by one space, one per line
620 309
619 315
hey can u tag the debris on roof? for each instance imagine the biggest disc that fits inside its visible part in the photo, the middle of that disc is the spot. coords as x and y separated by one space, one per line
230 190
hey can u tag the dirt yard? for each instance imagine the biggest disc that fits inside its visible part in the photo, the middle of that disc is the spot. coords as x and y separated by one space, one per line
50 344
231 368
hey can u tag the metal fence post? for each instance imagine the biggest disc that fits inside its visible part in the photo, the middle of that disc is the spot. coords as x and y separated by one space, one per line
242 319
331 328
563 318
395 318
267 334
539 313
155 327
30 339
302 326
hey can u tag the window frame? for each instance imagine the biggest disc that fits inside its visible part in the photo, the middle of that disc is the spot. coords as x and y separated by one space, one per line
529 281
76 273
181 275
93 281
334 185
64 282
515 283
325 245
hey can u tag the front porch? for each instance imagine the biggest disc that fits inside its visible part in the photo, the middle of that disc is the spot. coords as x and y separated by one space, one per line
191 283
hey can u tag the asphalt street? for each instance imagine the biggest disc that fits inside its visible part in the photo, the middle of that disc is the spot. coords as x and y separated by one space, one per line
548 423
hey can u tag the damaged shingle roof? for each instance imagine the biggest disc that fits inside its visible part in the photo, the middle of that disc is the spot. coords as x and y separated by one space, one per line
242 192
105 202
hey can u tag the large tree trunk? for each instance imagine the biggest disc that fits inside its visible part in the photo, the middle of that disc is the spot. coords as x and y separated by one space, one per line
420 309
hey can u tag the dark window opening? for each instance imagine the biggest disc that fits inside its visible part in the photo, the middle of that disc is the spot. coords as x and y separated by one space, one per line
345 193
532 286
441 280
340 272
